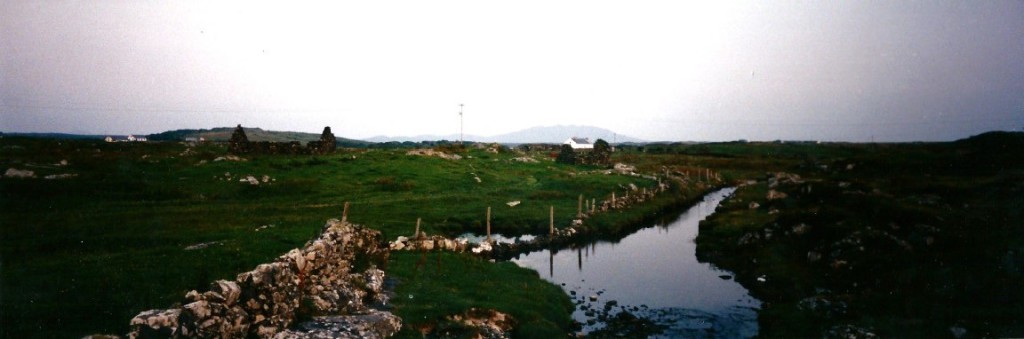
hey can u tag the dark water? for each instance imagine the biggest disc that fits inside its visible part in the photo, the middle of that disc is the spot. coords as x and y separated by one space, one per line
654 273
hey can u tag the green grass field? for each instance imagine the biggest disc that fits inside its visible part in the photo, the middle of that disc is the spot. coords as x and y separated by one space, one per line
85 254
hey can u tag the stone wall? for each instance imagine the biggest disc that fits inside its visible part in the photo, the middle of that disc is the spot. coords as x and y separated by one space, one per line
320 282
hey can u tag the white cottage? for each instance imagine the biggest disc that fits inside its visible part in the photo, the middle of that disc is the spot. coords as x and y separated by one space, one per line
579 143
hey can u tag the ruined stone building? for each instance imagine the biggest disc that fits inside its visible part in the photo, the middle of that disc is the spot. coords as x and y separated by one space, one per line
240 144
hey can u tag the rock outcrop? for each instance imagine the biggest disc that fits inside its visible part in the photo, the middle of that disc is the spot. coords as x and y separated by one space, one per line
318 280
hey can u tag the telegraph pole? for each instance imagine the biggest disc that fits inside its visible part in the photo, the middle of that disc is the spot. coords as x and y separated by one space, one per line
461 137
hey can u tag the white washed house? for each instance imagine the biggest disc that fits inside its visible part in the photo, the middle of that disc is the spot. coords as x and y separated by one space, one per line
579 143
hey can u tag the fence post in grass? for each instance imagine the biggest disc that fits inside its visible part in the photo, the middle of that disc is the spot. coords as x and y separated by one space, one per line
593 205
551 221
488 223
613 199
417 234
344 213
579 207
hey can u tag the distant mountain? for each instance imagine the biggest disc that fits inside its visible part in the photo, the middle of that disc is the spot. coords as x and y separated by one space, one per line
545 134
558 134
223 134
428 137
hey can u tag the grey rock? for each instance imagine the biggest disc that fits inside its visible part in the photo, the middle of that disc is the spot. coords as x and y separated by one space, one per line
374 324
17 173
155 324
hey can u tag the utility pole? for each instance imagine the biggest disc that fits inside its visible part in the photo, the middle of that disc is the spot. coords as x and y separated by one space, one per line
461 136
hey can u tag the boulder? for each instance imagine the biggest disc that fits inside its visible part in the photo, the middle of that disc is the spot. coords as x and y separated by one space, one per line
813 256
155 324
775 195
18 173
250 179
484 323
229 290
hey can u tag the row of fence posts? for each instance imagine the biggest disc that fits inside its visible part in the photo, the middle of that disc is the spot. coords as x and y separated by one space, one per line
706 175
590 204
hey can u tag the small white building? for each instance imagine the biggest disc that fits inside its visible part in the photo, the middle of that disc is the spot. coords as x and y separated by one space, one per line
579 143
132 138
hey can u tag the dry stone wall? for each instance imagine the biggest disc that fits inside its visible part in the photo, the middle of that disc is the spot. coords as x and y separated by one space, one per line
320 282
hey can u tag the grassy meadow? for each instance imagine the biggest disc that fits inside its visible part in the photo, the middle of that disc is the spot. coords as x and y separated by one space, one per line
904 240
83 255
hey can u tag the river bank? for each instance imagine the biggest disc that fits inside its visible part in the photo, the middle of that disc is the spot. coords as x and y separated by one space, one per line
902 241
424 279
650 282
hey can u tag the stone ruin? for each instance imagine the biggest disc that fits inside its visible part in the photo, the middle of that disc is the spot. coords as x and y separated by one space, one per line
320 282
240 144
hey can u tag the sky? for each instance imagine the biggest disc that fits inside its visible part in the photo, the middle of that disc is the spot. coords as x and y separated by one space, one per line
674 70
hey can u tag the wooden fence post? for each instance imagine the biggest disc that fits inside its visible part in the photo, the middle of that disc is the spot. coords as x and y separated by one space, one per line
417 234
579 207
344 213
488 223
551 221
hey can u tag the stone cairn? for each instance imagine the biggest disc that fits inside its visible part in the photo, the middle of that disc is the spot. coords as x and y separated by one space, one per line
315 282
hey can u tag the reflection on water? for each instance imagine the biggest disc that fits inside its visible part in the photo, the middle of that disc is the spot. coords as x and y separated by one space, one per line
655 273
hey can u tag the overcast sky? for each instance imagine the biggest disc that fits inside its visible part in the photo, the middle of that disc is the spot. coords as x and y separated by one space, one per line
850 70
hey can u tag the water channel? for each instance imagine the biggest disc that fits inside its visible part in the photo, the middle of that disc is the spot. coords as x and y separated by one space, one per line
654 273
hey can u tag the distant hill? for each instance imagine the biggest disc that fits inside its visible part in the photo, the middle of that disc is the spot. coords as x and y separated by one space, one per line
545 134
223 134
58 136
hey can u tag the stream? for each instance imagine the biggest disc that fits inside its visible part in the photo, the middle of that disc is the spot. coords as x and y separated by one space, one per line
653 274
